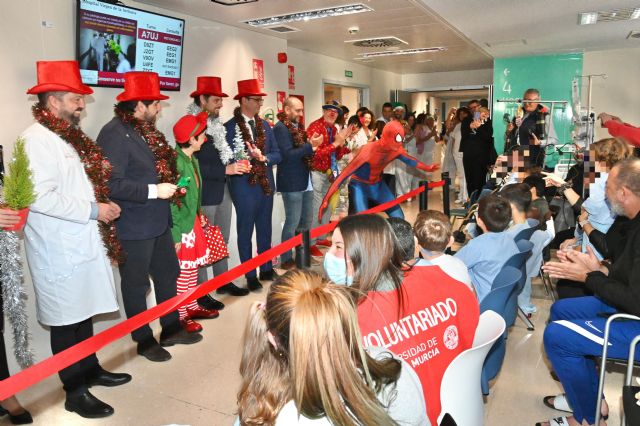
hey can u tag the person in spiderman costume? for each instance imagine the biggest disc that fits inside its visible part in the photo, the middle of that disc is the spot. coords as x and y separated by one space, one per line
366 171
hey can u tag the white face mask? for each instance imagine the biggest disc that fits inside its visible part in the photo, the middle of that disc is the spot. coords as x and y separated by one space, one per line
336 269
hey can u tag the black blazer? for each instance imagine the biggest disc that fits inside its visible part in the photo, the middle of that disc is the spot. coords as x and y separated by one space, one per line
213 173
134 169
292 174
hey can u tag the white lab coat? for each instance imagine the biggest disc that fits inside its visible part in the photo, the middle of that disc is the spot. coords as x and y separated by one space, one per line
71 273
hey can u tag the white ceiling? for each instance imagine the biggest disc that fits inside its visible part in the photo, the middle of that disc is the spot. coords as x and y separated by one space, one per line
546 26
473 31
408 20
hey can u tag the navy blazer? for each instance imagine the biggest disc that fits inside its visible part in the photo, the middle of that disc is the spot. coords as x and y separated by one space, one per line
241 182
213 173
134 169
292 174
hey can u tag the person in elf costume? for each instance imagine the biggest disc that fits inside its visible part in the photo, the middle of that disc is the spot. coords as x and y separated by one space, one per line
366 171
188 221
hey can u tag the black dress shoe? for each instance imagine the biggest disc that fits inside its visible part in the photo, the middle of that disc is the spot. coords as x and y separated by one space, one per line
180 337
152 351
233 290
267 275
209 303
253 284
88 406
102 377
23 418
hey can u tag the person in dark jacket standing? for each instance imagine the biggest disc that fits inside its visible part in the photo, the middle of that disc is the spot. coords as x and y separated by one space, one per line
293 179
476 144
576 331
142 182
251 139
531 128
216 163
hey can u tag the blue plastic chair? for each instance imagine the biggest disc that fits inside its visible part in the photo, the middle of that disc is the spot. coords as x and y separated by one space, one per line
503 286
518 261
526 234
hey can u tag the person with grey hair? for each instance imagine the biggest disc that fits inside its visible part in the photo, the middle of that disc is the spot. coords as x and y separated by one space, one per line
576 331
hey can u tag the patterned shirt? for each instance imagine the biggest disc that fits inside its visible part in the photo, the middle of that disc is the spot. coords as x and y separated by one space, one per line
321 161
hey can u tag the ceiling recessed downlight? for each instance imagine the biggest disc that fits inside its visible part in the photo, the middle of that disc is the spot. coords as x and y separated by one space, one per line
308 15
403 52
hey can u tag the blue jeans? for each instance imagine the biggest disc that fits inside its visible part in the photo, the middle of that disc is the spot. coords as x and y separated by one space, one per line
573 336
298 211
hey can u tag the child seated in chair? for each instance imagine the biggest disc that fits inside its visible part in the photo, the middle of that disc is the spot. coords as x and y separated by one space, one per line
433 232
486 254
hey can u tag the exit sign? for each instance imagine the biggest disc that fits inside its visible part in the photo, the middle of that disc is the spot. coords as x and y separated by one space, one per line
348 73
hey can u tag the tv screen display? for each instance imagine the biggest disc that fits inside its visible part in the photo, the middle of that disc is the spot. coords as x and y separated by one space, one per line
114 39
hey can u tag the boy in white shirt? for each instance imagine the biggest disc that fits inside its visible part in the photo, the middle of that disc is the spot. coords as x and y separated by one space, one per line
433 232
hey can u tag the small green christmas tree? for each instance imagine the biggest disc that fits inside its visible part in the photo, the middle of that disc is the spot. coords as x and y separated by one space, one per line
19 192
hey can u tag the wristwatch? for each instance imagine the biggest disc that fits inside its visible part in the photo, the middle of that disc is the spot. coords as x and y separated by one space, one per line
583 223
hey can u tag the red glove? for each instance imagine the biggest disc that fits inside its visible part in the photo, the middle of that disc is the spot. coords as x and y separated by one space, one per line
427 167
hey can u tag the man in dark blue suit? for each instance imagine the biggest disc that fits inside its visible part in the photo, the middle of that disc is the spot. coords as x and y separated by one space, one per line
251 139
293 179
215 160
144 226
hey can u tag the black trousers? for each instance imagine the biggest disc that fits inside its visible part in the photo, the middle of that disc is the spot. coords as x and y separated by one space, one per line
4 366
475 170
63 337
155 257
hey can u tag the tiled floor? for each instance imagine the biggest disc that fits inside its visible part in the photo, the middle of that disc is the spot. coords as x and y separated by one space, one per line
198 386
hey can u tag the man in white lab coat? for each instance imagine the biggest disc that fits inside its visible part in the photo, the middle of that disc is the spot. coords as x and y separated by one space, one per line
67 256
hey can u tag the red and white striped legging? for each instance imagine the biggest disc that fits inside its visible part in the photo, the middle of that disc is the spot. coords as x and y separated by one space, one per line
187 280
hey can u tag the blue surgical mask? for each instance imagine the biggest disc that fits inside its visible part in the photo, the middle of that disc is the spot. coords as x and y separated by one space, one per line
336 269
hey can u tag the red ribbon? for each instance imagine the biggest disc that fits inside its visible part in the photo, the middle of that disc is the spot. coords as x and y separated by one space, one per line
55 363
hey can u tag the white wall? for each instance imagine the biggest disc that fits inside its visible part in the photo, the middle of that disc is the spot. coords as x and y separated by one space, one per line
210 49
618 93
312 68
447 79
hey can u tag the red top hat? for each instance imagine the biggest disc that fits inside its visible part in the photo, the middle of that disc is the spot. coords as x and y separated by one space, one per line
209 86
248 88
190 125
63 76
141 86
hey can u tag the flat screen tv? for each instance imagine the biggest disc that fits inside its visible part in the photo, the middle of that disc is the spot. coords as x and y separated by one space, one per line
113 39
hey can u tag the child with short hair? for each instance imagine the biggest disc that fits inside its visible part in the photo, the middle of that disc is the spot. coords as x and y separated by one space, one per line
486 254
433 232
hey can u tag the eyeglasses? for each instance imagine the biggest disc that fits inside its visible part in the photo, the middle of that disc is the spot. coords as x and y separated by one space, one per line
258 100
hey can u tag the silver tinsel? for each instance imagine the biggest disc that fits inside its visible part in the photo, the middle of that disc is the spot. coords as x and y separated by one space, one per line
13 296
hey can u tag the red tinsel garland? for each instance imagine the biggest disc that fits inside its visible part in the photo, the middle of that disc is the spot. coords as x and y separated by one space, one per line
298 134
164 154
96 166
258 173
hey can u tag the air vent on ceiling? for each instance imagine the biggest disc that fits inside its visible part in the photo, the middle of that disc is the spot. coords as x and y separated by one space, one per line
283 29
506 43
233 2
634 34
377 42
625 14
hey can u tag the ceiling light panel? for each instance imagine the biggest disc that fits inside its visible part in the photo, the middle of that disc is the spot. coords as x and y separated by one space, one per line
327 12
403 52
378 42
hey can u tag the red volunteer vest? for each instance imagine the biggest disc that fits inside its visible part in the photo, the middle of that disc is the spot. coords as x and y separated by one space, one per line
438 321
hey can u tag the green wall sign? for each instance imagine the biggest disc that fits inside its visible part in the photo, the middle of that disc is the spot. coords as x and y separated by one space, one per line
552 76
348 73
